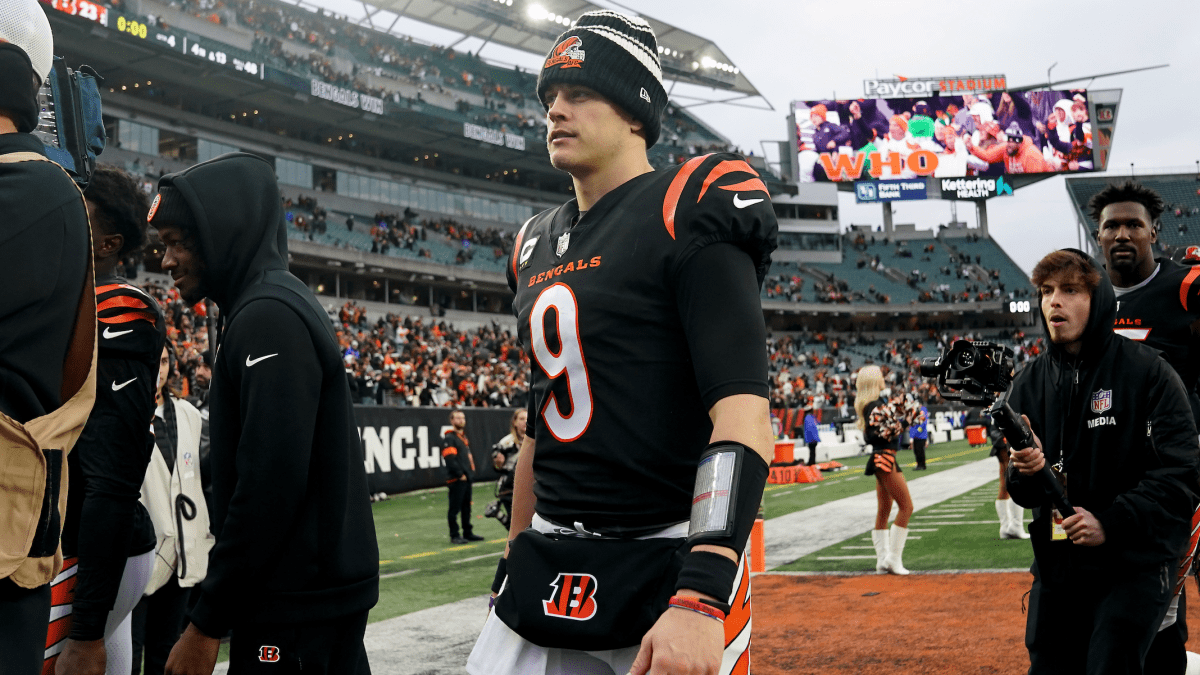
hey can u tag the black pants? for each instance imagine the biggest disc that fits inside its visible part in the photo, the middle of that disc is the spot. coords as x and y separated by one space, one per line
1095 624
1168 652
333 647
812 453
460 502
24 618
158 622
919 451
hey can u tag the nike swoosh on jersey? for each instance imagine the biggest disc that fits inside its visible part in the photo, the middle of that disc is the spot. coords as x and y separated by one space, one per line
119 387
109 333
250 361
740 203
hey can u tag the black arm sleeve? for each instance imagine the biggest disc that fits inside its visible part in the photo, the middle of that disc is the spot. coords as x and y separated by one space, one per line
111 457
718 303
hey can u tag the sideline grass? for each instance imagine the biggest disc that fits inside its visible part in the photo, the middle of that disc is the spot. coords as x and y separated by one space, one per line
780 500
420 568
965 536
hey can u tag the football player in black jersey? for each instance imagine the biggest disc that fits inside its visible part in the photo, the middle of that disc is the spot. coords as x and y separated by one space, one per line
108 540
648 434
1158 303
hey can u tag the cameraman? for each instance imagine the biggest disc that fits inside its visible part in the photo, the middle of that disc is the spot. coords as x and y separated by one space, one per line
47 338
1119 429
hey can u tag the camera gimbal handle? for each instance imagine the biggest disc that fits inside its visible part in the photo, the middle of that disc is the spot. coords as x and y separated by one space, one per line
1020 436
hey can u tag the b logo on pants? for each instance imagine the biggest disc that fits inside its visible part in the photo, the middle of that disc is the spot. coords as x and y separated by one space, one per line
573 597
268 654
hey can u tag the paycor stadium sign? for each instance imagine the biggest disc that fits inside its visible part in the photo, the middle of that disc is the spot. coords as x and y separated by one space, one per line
905 87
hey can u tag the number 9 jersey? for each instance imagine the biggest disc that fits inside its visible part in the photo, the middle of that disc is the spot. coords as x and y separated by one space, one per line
638 316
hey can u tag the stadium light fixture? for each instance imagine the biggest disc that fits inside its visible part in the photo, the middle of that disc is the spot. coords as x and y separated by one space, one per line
537 12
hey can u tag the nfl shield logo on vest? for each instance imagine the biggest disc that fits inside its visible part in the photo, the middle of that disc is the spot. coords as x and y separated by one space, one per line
563 242
1101 401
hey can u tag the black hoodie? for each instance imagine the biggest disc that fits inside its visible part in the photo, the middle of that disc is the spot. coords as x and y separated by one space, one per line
1119 417
291 509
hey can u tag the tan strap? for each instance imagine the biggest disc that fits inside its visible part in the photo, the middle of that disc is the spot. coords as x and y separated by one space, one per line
26 468
14 157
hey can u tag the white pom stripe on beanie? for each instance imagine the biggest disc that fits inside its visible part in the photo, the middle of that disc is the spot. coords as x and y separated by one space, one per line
636 49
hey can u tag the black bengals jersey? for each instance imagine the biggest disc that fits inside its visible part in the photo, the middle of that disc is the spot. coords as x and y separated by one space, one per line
1160 312
623 372
105 523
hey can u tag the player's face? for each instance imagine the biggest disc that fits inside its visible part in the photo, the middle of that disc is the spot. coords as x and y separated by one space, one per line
584 130
458 420
181 259
1061 114
1066 304
1013 148
1126 236
815 119
895 131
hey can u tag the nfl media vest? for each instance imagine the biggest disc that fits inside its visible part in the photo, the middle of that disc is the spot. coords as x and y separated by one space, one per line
33 456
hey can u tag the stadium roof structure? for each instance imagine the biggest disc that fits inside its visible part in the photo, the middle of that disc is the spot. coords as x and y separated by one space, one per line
532 26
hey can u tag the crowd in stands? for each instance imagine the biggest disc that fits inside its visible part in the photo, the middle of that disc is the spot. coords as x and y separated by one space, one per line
816 372
405 361
504 100
403 231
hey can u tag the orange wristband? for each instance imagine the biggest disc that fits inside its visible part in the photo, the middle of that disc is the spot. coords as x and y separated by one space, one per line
697 606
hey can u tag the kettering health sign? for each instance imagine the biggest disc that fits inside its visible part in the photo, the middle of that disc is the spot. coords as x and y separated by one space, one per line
870 191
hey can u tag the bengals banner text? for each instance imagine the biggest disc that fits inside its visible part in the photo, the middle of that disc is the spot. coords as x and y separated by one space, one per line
402 447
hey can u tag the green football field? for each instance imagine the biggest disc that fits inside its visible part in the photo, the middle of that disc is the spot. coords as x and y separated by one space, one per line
420 568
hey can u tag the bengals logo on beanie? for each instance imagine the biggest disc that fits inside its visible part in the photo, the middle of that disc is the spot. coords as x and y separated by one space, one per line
153 208
567 54
622 65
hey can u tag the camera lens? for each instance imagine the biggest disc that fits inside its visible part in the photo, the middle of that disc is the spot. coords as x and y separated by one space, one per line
964 360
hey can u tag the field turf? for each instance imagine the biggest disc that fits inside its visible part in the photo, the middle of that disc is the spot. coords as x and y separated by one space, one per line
421 569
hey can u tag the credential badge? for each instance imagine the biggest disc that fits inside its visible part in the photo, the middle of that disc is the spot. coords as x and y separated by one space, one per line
1101 401
563 242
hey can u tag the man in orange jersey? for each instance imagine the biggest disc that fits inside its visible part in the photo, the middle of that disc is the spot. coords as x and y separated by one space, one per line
648 434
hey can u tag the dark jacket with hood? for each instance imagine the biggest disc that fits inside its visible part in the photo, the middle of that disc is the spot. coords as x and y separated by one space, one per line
295 540
1118 418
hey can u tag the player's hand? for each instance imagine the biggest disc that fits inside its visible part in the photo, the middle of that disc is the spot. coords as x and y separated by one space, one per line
831 145
86 657
1028 461
682 642
1083 528
194 654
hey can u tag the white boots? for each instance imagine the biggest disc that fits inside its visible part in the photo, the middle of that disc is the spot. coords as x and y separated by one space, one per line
889 549
880 539
898 538
1012 519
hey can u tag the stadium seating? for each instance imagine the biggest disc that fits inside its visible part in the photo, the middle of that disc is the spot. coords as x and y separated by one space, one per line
897 261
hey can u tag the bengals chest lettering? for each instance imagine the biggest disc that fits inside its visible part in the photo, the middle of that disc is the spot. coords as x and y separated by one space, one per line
574 266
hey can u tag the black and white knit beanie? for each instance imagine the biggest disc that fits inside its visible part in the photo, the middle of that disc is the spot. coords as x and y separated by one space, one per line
616 56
